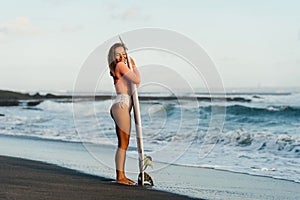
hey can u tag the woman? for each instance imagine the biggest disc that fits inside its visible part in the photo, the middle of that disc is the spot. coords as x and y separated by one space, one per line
120 110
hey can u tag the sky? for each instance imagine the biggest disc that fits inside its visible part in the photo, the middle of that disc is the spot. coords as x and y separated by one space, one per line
44 43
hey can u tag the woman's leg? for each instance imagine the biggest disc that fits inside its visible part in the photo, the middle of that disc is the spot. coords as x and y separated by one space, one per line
122 120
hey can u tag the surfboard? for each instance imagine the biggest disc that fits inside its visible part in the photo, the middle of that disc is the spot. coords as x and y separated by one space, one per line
138 121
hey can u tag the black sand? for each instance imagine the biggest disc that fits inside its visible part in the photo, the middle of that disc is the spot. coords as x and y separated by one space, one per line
25 179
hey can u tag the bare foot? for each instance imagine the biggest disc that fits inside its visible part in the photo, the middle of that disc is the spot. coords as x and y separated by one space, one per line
126 181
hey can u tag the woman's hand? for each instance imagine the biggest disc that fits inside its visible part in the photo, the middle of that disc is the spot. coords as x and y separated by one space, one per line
135 70
132 63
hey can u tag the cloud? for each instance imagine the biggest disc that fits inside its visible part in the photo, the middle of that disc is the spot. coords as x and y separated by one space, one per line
18 26
72 28
121 12
130 14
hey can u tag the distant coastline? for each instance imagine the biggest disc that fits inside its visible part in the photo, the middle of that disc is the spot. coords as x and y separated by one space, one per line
13 98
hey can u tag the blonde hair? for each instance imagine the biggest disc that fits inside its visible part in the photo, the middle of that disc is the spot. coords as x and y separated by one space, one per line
111 59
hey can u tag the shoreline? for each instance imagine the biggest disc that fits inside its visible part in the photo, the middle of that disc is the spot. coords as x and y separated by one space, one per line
205 183
23 137
28 179
236 172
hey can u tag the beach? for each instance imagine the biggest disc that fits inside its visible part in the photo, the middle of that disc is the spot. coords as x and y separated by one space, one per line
215 84
255 156
25 179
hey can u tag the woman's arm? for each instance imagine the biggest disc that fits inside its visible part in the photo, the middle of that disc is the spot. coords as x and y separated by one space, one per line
133 76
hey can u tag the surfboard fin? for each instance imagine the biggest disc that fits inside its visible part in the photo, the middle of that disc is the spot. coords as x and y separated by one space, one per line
147 179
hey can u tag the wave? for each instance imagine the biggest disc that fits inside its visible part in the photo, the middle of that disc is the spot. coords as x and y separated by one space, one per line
50 105
263 153
269 110
277 144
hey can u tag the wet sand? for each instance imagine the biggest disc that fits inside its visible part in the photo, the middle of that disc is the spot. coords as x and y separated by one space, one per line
26 179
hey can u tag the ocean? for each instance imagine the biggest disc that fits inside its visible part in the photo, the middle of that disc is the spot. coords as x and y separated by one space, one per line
258 133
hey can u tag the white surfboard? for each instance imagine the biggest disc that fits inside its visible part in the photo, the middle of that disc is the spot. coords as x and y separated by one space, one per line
138 121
